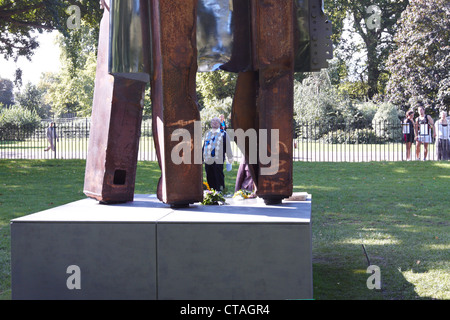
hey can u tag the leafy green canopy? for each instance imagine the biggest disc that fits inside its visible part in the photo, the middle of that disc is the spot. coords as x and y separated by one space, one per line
19 19
376 39
419 66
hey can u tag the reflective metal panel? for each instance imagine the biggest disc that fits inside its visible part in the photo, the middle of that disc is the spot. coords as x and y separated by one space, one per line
313 46
214 33
126 42
302 37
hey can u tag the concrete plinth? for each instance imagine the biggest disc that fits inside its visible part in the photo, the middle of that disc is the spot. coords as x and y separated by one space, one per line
146 250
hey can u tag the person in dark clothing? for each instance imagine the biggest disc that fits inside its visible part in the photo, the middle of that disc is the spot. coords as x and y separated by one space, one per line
244 179
217 144
408 133
223 123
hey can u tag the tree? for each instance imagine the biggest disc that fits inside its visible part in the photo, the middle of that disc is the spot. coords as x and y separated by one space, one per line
72 94
419 66
216 85
317 100
30 98
6 92
336 11
386 122
18 19
71 90
16 122
374 21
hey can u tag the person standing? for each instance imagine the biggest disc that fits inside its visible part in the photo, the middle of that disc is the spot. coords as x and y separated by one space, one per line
408 132
244 180
442 137
51 137
217 144
223 123
423 130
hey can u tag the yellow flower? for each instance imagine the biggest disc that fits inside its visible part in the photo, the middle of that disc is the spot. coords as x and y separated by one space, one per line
207 185
244 194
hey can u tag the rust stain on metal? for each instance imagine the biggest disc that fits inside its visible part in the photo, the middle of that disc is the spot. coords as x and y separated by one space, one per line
271 39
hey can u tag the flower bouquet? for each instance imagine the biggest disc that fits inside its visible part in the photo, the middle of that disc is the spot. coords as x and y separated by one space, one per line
243 194
213 197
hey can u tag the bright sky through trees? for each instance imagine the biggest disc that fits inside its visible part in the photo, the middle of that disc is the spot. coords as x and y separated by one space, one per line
45 59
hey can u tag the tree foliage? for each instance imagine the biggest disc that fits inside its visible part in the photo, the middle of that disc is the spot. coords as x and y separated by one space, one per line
32 98
213 86
71 90
336 11
374 21
420 65
16 117
6 92
214 109
316 100
19 19
386 120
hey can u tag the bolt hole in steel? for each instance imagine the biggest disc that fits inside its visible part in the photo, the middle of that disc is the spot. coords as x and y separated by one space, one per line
120 177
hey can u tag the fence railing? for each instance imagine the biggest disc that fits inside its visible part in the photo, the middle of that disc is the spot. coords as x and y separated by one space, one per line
381 141
313 142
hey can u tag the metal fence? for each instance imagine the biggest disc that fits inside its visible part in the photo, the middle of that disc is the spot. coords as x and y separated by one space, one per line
313 142
338 142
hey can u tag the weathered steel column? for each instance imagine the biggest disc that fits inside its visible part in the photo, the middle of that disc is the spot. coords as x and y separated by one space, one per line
286 36
115 125
174 99
244 116
273 53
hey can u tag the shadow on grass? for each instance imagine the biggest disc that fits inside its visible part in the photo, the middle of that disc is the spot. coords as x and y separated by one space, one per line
398 210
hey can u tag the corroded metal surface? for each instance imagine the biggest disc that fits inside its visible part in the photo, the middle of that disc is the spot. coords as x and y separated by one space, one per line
174 99
286 36
115 130
244 114
264 98
164 41
273 32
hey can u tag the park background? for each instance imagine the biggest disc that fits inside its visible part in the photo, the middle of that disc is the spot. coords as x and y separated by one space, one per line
347 119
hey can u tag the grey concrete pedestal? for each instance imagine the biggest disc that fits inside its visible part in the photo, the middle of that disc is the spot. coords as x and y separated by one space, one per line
147 250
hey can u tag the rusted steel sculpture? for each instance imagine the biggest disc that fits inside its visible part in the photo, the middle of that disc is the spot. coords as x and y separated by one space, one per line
115 124
286 36
165 42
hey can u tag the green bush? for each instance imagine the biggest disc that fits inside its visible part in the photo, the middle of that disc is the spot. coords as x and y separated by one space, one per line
146 128
17 123
216 108
316 100
367 111
386 122
358 136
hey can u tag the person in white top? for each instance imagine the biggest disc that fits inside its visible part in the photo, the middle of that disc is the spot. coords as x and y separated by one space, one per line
423 132
442 137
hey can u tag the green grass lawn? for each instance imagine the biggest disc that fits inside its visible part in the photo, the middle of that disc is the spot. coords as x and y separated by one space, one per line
399 211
